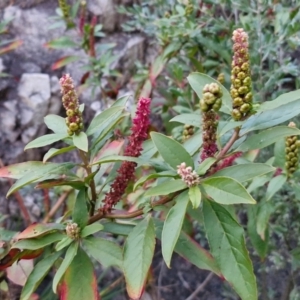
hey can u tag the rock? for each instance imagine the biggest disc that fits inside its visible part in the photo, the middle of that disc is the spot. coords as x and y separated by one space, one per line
106 10
55 100
8 122
34 93
134 51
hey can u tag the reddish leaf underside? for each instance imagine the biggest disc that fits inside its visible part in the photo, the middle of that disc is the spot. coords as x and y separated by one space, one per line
79 282
12 46
38 230
64 61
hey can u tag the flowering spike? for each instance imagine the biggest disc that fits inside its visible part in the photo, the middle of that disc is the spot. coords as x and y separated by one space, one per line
71 104
291 153
241 89
139 133
190 177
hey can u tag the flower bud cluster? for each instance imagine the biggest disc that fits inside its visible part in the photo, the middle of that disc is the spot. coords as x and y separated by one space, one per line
188 131
70 102
221 78
212 97
189 8
73 231
291 153
187 174
64 8
241 84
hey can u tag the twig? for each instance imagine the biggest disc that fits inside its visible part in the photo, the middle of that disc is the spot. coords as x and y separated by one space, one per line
229 144
129 215
56 206
112 286
200 287
20 200
88 169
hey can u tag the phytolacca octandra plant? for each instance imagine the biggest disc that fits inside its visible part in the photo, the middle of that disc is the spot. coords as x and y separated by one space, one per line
210 104
71 104
126 172
240 76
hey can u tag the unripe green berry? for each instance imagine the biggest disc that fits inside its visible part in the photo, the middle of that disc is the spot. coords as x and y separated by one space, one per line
237 83
209 98
73 126
243 90
236 114
70 112
248 97
241 75
234 93
245 108
245 66
247 81
238 101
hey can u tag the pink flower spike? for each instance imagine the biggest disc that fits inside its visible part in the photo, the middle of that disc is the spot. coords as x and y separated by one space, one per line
139 133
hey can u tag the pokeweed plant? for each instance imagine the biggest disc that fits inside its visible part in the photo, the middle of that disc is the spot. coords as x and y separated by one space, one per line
81 33
194 179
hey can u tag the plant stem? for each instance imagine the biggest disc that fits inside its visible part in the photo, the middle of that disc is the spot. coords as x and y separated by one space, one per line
88 169
56 206
200 287
129 215
229 144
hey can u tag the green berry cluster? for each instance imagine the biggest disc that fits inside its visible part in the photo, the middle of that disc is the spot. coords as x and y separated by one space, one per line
212 97
221 78
189 9
241 84
188 131
65 8
291 153
71 104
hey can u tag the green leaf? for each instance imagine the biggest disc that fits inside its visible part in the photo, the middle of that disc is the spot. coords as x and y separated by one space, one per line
17 171
70 254
191 251
56 123
188 119
79 281
275 184
227 245
224 127
80 212
265 209
61 43
195 196
66 241
45 172
279 153
145 178
39 229
260 245
100 120
193 144
115 158
38 243
106 252
63 61
198 80
37 275
138 254
81 141
119 229
171 151
244 172
122 101
205 165
107 127
166 188
53 152
226 190
267 137
91 229
45 140
172 226
272 117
